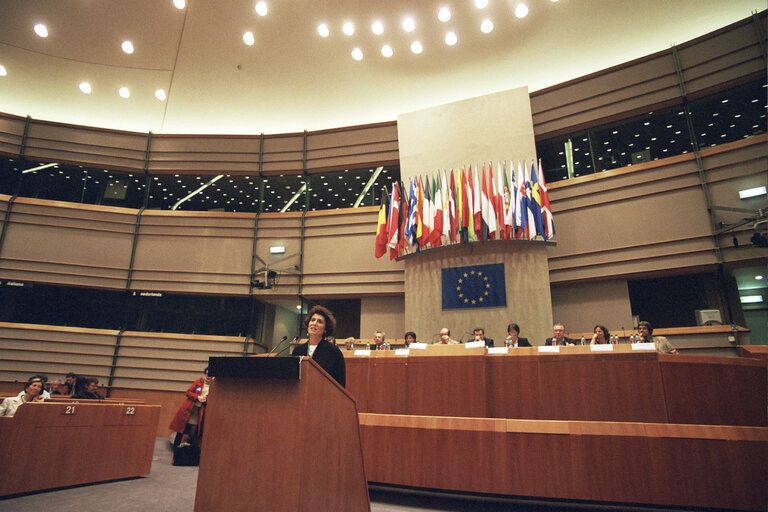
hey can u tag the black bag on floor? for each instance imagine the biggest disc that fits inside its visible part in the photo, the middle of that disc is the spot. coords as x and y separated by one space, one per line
186 455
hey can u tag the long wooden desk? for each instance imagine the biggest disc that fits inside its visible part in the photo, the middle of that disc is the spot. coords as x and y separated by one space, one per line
638 463
575 384
56 444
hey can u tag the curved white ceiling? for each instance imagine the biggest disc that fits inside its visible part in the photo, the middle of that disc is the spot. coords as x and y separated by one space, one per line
291 79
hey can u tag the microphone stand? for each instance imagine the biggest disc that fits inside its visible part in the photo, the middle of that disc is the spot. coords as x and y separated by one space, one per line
283 340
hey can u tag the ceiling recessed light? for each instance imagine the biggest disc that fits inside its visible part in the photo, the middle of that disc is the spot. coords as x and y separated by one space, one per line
160 94
751 299
377 28
41 30
481 4
179 4
752 192
357 54
521 11
3 71
298 306
127 47
486 26
322 29
248 38
348 28
759 277
416 47
409 25
451 39
444 14
85 87
386 51
124 92
261 8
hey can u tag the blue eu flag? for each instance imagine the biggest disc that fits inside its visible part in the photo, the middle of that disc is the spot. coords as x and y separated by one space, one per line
476 286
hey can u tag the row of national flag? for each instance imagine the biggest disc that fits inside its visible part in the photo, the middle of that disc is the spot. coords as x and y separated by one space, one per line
471 205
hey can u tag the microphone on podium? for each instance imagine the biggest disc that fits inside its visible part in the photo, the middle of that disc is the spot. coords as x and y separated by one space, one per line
283 340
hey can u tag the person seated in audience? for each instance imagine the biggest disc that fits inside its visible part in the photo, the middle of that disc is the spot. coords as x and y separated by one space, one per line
32 393
445 338
479 333
645 335
378 340
189 418
600 336
44 380
66 388
559 337
514 339
349 343
410 337
88 390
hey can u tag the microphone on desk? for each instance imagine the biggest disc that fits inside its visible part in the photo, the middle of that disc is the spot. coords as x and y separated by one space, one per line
283 340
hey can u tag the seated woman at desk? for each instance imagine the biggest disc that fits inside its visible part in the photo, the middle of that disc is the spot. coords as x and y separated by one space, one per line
410 337
600 336
514 339
320 324
32 393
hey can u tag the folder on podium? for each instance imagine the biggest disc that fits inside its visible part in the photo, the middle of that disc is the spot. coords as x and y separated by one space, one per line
280 435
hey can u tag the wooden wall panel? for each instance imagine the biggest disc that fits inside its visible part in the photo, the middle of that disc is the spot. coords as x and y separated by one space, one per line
92 244
83 145
11 133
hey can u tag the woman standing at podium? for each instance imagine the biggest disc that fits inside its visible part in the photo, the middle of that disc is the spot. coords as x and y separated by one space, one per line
320 324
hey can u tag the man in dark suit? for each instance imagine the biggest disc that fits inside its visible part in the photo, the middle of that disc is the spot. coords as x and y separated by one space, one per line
558 336
514 339
479 333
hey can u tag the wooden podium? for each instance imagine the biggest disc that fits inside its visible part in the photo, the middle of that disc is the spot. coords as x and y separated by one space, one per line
280 435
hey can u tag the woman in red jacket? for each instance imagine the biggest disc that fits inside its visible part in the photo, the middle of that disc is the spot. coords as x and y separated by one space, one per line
189 418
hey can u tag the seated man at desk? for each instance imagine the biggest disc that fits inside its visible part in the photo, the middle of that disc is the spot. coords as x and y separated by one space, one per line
445 338
378 340
88 390
645 335
559 337
479 333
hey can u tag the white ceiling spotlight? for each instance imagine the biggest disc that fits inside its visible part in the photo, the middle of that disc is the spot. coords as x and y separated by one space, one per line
261 8
481 4
348 28
377 28
41 30
124 92
444 14
85 87
179 4
160 95
127 47
416 47
322 29
248 38
387 51
521 11
3 71
409 25
357 54
486 26
451 39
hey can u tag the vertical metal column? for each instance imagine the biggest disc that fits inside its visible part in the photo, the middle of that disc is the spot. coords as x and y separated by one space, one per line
22 149
697 153
112 367
303 227
137 224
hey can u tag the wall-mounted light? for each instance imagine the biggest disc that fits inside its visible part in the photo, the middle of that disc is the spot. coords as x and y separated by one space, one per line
752 192
277 249
751 299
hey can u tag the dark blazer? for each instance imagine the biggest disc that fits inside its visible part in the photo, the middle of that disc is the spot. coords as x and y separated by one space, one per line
565 340
488 342
329 357
521 342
